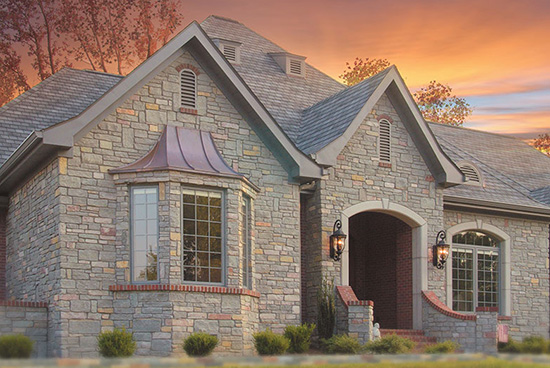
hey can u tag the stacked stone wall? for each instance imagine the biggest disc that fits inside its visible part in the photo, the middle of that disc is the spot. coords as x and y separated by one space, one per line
29 319
358 176
529 271
96 229
3 245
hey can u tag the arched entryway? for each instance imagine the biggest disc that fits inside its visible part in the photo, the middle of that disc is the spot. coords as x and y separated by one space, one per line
405 234
380 266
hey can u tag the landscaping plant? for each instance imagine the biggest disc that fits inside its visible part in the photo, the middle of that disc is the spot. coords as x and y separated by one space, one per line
269 343
299 337
326 315
391 344
15 347
445 347
535 345
341 344
116 344
200 344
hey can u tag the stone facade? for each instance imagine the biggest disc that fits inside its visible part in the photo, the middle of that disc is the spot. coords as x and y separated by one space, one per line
358 176
29 319
529 272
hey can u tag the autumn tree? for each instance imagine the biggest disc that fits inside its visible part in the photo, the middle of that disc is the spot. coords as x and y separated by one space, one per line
363 69
542 143
13 81
438 104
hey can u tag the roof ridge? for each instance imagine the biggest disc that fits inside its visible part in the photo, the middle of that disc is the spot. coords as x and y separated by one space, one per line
475 130
492 171
220 17
348 88
99 72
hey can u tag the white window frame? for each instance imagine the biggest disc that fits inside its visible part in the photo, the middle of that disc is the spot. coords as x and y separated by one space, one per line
223 236
132 234
246 242
505 246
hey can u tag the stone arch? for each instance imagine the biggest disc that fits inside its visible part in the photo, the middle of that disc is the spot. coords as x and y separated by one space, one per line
419 246
505 250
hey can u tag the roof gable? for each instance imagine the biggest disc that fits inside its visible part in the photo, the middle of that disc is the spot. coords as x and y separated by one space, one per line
64 134
390 82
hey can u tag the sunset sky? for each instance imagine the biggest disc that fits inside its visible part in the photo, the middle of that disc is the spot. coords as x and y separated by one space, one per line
496 54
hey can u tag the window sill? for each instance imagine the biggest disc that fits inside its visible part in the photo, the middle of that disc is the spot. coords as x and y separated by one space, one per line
384 164
185 288
189 111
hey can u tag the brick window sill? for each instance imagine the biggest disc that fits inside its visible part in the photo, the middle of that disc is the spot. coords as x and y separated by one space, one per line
384 164
189 111
185 288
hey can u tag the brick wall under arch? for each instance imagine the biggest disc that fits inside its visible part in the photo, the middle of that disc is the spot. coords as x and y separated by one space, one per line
380 261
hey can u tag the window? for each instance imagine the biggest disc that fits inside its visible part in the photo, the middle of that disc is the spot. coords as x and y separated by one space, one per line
188 89
203 236
475 275
384 141
144 220
246 241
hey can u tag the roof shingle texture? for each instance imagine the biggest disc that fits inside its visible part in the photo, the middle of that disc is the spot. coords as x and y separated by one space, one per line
60 97
512 170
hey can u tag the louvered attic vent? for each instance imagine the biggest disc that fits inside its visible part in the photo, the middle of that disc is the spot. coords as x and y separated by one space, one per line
188 89
384 141
291 64
472 174
230 49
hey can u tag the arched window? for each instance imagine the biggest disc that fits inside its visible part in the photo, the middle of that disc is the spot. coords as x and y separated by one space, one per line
188 89
384 141
475 271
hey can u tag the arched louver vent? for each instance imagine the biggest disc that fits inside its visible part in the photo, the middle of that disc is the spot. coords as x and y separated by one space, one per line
188 86
384 141
295 67
470 172
230 53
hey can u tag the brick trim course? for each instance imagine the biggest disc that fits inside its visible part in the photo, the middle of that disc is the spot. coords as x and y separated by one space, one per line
185 288
23 304
439 306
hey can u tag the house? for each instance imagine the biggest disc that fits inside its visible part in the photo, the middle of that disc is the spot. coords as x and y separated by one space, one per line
199 193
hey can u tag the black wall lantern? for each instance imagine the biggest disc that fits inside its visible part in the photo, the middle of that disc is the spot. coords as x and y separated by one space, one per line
337 241
441 250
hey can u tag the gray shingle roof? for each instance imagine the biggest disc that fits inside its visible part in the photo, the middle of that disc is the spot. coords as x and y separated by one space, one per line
284 97
511 169
62 96
329 119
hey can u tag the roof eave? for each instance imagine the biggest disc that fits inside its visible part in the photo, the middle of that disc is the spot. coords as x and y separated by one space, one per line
457 202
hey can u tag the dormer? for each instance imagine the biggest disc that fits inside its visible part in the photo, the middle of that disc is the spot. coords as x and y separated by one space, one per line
471 173
230 49
291 64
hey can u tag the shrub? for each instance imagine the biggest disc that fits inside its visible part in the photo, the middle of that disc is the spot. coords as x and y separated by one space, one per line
444 347
15 347
116 343
326 315
534 345
391 344
511 346
299 337
269 343
341 344
199 344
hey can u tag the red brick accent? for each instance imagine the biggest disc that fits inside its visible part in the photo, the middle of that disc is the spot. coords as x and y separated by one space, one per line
381 266
22 303
486 309
504 318
347 296
385 117
195 70
384 164
189 111
3 246
187 288
439 306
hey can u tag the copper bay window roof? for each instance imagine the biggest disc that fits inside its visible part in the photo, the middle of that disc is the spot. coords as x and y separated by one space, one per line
182 149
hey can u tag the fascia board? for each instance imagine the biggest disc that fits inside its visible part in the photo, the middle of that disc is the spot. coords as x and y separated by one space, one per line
70 131
466 203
